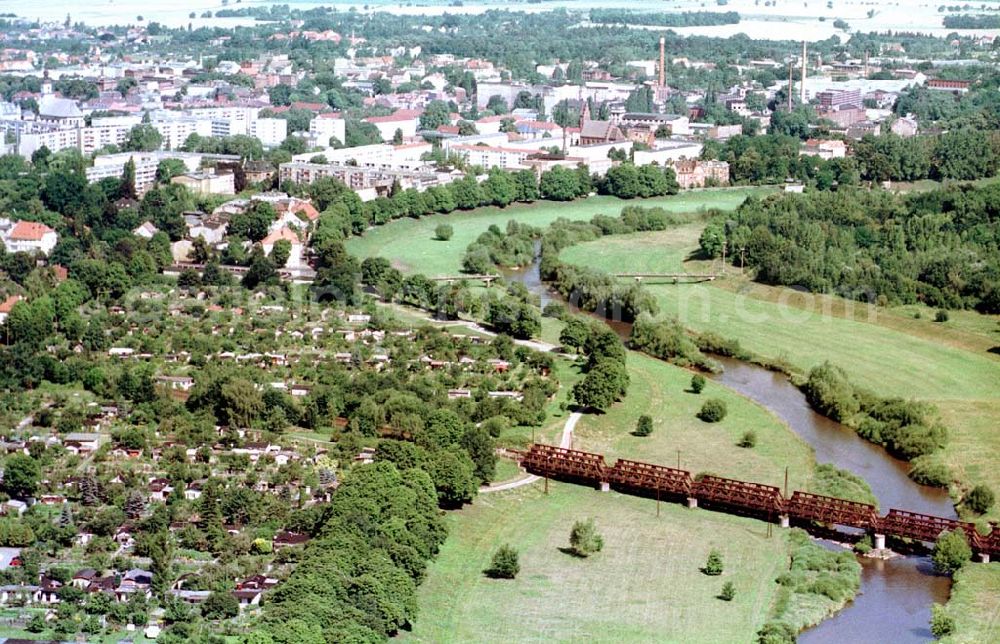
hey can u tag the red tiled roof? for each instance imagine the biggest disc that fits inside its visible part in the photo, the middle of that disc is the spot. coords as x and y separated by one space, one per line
314 107
398 115
281 233
29 231
9 303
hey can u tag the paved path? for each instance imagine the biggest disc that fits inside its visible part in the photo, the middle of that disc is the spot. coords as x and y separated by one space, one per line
565 442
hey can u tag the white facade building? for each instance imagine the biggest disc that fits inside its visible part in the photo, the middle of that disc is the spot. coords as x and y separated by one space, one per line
271 132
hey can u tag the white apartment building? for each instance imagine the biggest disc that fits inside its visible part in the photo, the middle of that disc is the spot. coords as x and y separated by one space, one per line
379 155
404 120
328 125
234 119
113 165
493 157
175 131
271 132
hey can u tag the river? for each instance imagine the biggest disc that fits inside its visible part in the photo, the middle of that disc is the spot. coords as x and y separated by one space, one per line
896 596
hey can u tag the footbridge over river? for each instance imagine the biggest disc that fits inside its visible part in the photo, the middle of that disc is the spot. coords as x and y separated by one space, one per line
733 496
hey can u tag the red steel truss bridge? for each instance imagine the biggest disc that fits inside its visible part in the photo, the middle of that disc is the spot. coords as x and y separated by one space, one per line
746 498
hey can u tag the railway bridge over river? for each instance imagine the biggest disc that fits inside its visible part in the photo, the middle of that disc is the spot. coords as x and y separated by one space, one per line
761 501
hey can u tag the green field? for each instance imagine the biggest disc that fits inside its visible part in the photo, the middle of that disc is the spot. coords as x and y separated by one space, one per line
411 246
645 585
885 350
975 605
659 390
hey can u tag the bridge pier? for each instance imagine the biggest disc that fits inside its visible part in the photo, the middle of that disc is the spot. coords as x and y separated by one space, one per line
879 541
984 557
692 502
784 520
605 486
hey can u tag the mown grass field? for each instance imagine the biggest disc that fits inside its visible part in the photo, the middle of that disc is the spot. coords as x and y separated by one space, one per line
660 390
645 586
411 246
975 605
889 351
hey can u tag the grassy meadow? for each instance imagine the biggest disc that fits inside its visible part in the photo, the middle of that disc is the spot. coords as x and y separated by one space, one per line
892 351
645 585
975 605
660 390
411 245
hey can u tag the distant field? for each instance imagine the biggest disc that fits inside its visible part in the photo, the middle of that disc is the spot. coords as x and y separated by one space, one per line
660 390
410 243
645 586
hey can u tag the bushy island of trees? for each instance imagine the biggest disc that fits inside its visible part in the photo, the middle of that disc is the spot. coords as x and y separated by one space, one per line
592 290
971 22
908 429
937 247
685 19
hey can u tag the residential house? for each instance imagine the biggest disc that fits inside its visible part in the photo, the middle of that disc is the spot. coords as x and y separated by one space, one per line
30 237
7 305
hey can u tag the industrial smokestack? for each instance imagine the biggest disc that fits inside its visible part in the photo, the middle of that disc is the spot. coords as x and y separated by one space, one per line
802 88
663 62
790 90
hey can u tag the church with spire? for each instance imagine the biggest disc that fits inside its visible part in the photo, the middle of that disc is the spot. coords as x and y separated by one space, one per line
592 131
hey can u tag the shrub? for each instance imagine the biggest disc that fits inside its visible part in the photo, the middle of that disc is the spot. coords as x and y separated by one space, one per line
941 316
979 499
504 564
728 591
942 624
554 310
748 440
776 633
697 383
584 538
928 470
830 393
443 232
713 411
951 552
713 566
644 426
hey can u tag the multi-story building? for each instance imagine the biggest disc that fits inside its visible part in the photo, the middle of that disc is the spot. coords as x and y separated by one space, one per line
328 125
696 174
270 131
207 182
368 182
175 131
489 157
403 120
834 98
146 163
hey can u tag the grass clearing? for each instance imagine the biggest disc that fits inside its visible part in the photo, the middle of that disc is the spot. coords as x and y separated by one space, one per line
410 244
645 585
660 390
